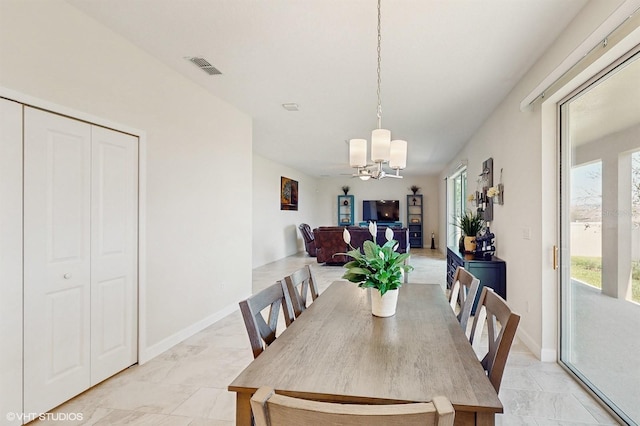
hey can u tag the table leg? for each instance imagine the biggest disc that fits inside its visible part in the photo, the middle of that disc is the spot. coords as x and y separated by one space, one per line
485 419
243 409
471 418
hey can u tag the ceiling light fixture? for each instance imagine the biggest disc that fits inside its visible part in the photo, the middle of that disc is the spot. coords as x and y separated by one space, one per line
383 149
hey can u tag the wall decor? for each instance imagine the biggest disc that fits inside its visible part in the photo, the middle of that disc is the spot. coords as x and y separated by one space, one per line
499 198
483 201
288 194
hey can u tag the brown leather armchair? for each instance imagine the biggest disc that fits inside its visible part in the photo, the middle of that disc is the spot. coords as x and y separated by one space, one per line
309 239
329 241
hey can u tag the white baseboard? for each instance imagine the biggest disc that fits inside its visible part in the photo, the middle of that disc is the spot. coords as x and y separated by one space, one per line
543 354
549 355
147 354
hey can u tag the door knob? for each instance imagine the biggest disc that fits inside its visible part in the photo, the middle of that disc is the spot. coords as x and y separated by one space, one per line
67 276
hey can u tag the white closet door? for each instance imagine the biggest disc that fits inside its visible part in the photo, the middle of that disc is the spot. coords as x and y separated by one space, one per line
114 271
57 192
10 261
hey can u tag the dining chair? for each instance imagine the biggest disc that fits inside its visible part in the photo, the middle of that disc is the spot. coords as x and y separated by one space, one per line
270 408
496 310
262 333
298 286
463 291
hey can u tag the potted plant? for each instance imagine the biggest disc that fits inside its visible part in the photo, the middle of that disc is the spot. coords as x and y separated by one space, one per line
414 189
379 268
470 224
345 189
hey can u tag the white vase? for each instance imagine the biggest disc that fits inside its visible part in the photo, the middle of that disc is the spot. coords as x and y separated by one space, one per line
384 306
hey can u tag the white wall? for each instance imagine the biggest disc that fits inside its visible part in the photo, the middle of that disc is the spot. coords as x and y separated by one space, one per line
198 224
517 143
275 231
385 189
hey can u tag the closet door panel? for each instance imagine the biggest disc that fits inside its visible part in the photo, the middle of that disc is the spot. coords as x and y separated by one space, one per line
10 260
57 220
114 252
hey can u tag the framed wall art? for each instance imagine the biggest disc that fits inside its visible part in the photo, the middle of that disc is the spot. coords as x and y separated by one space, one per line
288 194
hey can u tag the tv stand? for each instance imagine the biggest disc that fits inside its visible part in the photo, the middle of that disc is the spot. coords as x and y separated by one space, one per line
388 224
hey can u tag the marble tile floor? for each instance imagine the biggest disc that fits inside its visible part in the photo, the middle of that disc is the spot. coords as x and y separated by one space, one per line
187 385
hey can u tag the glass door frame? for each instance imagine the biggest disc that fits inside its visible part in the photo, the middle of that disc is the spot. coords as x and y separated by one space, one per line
564 259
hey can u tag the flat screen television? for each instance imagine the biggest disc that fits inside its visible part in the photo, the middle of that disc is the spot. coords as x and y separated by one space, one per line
381 210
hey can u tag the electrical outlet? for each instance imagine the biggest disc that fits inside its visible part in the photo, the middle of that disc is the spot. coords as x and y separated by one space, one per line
526 233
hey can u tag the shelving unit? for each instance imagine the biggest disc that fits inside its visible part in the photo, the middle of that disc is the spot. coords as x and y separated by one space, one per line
414 219
345 210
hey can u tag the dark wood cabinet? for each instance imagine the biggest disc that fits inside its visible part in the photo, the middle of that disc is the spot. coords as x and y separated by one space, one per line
491 273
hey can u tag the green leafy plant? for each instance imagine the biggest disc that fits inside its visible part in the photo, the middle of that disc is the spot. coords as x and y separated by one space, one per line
345 189
378 267
414 189
470 223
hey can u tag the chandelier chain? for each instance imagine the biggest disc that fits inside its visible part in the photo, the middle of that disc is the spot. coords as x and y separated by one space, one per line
378 70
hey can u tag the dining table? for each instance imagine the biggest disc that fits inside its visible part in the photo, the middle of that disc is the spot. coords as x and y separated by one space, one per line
337 351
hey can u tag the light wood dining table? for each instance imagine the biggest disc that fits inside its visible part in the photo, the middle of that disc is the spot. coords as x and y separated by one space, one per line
337 351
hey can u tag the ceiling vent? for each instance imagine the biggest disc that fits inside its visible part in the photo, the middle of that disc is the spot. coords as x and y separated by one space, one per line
204 65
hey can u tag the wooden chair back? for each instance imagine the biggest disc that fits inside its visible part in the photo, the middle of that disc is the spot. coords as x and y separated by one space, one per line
263 332
463 292
500 339
298 286
271 409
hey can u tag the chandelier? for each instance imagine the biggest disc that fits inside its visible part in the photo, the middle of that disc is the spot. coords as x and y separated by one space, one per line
384 151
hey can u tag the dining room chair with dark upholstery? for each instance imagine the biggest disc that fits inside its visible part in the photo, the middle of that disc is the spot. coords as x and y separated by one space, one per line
271 409
299 286
263 332
463 292
501 325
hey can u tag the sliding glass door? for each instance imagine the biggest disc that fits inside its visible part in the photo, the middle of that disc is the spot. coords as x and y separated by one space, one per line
600 237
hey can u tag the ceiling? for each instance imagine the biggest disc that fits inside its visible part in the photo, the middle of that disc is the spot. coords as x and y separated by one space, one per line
609 106
446 65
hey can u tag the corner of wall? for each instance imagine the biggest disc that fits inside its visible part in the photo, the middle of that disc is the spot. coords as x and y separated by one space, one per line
146 354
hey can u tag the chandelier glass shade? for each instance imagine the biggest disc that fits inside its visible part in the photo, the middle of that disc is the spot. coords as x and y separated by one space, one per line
398 154
358 152
383 150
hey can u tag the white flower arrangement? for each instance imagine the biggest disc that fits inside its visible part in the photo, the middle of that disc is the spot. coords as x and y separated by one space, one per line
379 267
493 191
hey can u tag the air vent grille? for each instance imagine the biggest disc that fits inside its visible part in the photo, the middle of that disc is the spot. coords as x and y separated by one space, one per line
204 65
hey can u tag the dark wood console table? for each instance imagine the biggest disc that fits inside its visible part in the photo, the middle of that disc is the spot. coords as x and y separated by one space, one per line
491 273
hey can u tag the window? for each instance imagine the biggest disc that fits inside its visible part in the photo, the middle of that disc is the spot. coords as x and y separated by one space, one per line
456 199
